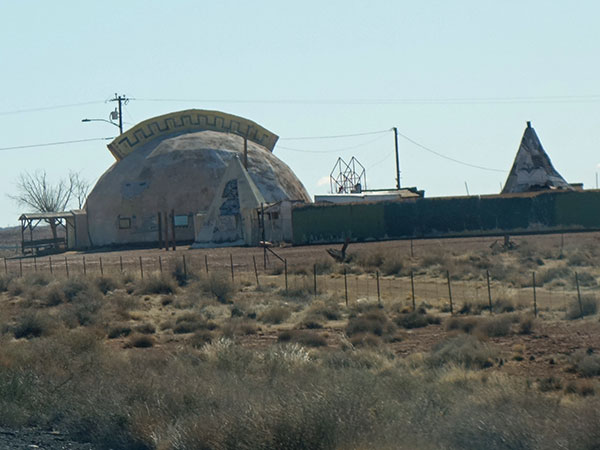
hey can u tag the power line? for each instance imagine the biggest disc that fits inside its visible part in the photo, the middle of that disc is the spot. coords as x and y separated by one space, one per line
48 108
475 166
362 144
592 98
48 144
333 136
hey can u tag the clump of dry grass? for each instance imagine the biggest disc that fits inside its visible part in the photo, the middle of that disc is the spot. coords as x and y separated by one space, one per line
586 363
416 319
303 337
156 284
218 285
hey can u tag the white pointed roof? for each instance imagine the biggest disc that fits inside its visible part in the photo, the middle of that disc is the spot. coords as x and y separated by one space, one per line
532 169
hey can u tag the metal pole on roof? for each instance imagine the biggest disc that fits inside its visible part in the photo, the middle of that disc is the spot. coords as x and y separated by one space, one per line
397 158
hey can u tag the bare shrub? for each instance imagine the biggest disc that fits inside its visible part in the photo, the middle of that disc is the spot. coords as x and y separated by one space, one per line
327 310
470 307
392 266
190 322
585 363
75 286
373 322
218 285
549 384
416 319
119 330
106 284
141 341
463 350
495 326
526 324
298 293
464 324
145 328
4 282
239 326
32 325
156 284
589 307
303 337
275 314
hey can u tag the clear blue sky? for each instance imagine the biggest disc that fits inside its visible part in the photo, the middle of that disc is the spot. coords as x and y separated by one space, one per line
460 78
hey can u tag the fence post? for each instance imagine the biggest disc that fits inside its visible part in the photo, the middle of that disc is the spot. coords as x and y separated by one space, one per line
346 286
101 267
160 263
35 263
121 262
206 263
412 289
286 277
579 295
487 275
50 263
450 292
5 266
141 268
535 312
184 266
20 267
173 229
231 261
255 270
67 266
84 267
315 278
378 291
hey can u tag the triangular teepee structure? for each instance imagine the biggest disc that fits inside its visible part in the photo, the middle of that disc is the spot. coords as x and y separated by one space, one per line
229 220
532 169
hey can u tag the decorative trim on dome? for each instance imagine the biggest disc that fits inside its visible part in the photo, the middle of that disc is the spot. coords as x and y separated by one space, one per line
190 121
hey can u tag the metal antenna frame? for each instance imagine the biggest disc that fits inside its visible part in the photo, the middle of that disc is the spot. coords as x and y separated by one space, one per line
347 178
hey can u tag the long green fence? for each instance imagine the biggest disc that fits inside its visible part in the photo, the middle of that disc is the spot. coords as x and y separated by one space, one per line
448 217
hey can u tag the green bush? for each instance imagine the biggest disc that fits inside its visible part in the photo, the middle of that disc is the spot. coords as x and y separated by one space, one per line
32 325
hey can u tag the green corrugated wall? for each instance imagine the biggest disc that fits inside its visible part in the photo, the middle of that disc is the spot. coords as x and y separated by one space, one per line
456 216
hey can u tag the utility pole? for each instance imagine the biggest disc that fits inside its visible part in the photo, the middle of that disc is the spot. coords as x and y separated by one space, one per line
397 158
121 99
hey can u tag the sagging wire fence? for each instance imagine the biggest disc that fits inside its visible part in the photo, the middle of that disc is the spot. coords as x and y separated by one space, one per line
347 283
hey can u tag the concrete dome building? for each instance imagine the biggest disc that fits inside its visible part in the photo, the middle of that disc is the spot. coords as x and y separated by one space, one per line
175 162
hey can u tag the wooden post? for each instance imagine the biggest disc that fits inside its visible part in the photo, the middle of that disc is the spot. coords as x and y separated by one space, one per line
231 261
255 270
346 287
160 263
141 268
84 267
378 291
160 244
50 263
487 275
285 272
412 288
173 229
535 296
315 278
101 267
450 292
579 295
184 266
5 266
166 240
35 263
20 267
67 266
121 262
206 263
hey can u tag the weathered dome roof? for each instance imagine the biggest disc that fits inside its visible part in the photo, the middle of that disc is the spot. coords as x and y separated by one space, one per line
179 170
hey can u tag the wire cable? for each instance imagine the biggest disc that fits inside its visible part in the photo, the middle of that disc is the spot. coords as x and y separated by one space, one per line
338 136
48 108
48 144
592 98
342 149
475 166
